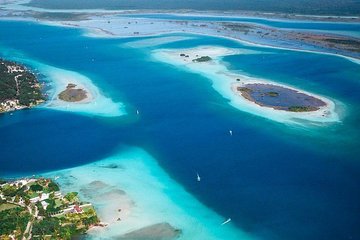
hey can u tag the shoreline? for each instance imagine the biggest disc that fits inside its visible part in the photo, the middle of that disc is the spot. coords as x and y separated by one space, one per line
122 180
94 28
95 102
245 91
223 82
24 82
56 79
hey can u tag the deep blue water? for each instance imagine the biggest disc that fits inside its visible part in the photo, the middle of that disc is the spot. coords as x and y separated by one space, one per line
275 181
350 29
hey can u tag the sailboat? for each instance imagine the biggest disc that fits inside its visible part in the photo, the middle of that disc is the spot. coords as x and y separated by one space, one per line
227 221
198 177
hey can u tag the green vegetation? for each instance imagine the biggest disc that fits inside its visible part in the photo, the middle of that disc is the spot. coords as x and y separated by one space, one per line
53 187
71 196
272 94
244 89
6 206
19 86
202 59
65 226
52 227
36 188
35 208
13 221
302 109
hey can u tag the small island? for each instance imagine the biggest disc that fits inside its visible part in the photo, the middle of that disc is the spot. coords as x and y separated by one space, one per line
19 87
257 96
34 208
72 94
202 59
279 97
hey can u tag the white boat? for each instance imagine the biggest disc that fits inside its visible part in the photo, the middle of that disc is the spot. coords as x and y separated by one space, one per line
227 221
231 132
137 112
198 177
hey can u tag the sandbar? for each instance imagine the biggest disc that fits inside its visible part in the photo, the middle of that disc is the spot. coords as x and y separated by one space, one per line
227 84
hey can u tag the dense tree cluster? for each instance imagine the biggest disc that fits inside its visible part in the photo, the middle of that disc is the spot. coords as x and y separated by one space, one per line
13 219
21 85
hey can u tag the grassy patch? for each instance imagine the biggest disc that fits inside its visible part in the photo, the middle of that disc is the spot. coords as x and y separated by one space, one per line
272 94
6 206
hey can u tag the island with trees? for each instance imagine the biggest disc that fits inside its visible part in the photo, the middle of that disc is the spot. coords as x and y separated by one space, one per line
202 59
19 87
279 97
34 208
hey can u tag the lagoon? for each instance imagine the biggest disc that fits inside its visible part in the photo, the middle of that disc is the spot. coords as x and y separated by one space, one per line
275 180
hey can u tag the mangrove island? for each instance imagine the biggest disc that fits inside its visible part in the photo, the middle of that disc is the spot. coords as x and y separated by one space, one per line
279 97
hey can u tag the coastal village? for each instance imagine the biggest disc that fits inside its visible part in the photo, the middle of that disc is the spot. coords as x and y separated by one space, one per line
34 208
19 88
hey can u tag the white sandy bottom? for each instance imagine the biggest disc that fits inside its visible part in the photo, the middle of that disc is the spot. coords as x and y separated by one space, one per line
95 104
133 182
223 81
156 41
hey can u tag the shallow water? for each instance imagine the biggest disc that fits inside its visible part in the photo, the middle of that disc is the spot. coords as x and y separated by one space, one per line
342 28
275 181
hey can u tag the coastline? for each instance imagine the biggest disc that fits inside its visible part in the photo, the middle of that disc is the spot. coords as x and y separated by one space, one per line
57 79
122 180
39 206
16 77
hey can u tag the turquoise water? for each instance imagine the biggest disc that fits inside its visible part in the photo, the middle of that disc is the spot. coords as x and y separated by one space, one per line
275 181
